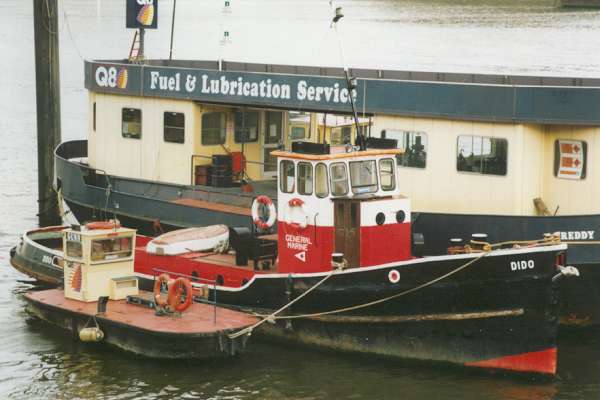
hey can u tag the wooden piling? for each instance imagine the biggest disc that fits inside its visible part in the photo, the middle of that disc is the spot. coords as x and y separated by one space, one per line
46 30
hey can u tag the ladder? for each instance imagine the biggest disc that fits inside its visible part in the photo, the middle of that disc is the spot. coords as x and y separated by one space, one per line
135 55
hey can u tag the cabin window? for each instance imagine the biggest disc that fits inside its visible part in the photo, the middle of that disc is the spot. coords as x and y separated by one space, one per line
214 128
339 179
246 126
321 184
570 159
341 135
363 176
131 123
287 176
74 249
111 248
386 174
174 127
299 125
305 178
482 155
94 117
413 145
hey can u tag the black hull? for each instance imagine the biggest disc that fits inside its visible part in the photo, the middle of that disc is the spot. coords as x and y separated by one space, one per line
485 315
142 342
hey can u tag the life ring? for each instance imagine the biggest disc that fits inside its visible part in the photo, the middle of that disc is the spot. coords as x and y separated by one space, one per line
103 225
158 299
176 290
265 200
296 202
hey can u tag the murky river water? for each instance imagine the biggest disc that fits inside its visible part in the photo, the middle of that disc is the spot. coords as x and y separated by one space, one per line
495 36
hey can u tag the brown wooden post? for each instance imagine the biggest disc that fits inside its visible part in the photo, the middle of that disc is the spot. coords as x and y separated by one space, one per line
45 19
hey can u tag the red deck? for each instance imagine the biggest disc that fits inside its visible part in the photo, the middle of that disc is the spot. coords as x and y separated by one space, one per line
196 319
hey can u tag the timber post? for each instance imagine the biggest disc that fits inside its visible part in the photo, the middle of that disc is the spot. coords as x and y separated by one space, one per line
45 19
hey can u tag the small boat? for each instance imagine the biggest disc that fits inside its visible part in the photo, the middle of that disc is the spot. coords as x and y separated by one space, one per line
101 302
39 255
189 240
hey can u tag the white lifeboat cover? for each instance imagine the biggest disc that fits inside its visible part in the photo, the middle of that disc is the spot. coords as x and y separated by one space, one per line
188 240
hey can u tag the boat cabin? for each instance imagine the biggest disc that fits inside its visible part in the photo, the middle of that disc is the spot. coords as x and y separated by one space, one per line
348 203
99 262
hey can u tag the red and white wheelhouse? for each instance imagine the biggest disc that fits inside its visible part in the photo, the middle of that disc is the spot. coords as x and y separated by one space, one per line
346 203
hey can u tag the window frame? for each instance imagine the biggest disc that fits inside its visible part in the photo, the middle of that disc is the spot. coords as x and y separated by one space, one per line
173 127
283 177
223 129
481 169
326 180
236 135
401 141
128 135
312 178
374 174
333 165
381 160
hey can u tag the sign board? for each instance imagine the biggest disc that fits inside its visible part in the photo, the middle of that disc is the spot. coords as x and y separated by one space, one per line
570 157
142 14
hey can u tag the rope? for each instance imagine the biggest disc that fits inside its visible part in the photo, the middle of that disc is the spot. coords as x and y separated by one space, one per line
271 316
487 249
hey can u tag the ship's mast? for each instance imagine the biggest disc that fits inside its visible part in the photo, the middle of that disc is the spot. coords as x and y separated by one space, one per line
350 81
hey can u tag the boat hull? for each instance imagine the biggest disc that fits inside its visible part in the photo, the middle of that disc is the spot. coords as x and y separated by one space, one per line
139 340
487 314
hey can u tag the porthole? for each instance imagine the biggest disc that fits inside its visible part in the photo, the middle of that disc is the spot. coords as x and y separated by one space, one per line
400 216
380 218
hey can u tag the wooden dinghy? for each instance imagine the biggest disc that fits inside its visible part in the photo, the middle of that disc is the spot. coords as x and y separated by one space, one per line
200 333
189 240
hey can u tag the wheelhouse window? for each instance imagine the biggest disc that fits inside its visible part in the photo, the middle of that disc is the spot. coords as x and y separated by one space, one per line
482 155
174 127
363 176
339 179
131 123
287 176
74 247
413 145
214 129
246 126
570 159
111 249
305 178
387 174
321 184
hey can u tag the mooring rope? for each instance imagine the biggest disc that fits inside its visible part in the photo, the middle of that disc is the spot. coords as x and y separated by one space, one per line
487 249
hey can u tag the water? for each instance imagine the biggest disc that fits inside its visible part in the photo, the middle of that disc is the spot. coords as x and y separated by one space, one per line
493 36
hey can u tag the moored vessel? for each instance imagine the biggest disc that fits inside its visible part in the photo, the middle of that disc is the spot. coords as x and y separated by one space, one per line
100 302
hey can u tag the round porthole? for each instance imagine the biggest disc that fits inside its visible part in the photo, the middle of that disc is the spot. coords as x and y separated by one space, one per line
400 216
380 218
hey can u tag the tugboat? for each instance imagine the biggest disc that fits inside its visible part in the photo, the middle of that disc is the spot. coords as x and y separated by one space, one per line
344 271
101 302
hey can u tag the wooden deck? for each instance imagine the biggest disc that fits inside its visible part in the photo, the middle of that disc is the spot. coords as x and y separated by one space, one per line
226 208
196 319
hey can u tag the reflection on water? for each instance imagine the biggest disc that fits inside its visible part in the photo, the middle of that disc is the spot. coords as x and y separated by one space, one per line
498 36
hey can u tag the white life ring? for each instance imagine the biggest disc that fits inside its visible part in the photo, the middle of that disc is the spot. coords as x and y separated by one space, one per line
265 200
296 202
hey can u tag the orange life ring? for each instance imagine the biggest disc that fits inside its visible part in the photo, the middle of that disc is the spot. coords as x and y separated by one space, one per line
103 225
176 290
158 299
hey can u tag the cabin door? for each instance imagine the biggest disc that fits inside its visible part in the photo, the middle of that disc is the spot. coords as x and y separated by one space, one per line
347 230
272 137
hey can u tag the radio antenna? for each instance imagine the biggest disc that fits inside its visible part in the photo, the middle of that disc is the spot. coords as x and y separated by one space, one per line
350 81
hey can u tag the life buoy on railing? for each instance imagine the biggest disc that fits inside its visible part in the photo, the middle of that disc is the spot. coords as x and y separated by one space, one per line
301 205
158 299
176 292
113 224
266 201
